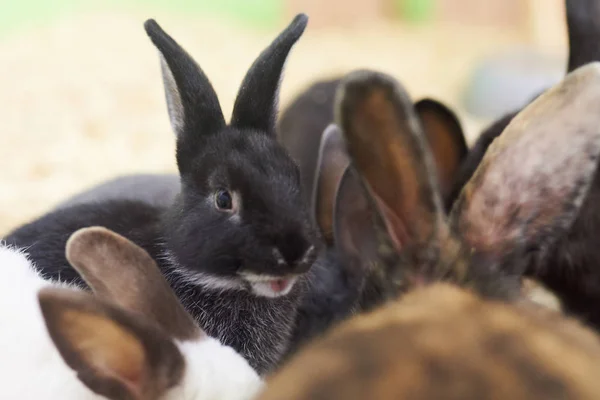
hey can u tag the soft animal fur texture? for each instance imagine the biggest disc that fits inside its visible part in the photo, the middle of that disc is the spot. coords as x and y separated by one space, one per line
505 210
461 328
339 209
568 268
237 238
442 342
120 343
155 189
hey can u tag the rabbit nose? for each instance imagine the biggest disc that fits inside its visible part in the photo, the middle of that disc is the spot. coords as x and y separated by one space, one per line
296 262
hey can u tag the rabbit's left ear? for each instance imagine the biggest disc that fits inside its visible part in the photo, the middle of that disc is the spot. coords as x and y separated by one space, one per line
534 177
113 352
118 270
256 103
446 141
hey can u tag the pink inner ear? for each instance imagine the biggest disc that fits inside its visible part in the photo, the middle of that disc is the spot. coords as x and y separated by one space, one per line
394 225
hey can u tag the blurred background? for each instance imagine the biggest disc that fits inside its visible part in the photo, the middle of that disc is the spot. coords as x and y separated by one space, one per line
81 97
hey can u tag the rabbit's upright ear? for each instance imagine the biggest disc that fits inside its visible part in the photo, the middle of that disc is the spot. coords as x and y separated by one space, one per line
332 161
114 353
534 177
387 147
193 105
583 28
256 102
446 141
120 271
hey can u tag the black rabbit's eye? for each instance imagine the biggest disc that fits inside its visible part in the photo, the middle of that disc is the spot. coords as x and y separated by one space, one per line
223 200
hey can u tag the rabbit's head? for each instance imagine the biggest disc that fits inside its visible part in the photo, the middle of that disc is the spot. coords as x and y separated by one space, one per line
131 338
240 221
524 195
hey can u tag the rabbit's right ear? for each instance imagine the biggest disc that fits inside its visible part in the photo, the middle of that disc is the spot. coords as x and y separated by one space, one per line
120 271
114 352
331 164
193 105
256 103
446 141
529 187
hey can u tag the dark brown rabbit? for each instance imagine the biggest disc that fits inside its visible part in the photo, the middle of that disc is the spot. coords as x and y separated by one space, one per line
569 267
473 336
303 122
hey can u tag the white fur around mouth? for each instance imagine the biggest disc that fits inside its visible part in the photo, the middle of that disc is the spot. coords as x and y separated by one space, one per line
270 286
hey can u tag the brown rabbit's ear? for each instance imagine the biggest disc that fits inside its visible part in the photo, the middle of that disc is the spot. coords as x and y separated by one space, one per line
534 177
386 145
446 140
358 228
362 241
114 353
331 164
116 269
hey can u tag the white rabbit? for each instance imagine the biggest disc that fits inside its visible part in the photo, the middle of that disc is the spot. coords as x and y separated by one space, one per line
131 339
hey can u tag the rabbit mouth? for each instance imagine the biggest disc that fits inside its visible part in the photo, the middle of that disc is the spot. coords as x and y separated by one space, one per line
270 286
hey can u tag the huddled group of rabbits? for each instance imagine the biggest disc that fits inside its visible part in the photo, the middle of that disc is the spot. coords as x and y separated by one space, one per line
353 248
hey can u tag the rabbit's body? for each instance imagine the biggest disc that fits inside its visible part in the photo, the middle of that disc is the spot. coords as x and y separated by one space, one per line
442 342
236 238
155 189
27 350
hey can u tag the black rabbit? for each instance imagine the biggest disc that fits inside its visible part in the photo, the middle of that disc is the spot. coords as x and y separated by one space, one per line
156 189
237 238
569 266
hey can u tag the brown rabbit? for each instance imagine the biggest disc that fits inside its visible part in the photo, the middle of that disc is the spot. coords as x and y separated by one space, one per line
473 336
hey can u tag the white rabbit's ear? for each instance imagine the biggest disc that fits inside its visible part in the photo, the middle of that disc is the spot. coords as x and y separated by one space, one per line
120 271
534 177
114 353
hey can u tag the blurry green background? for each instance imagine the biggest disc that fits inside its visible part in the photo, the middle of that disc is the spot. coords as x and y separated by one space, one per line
260 13
81 97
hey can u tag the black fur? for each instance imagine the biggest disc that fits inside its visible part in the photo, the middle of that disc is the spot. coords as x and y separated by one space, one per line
330 296
570 267
154 189
193 242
